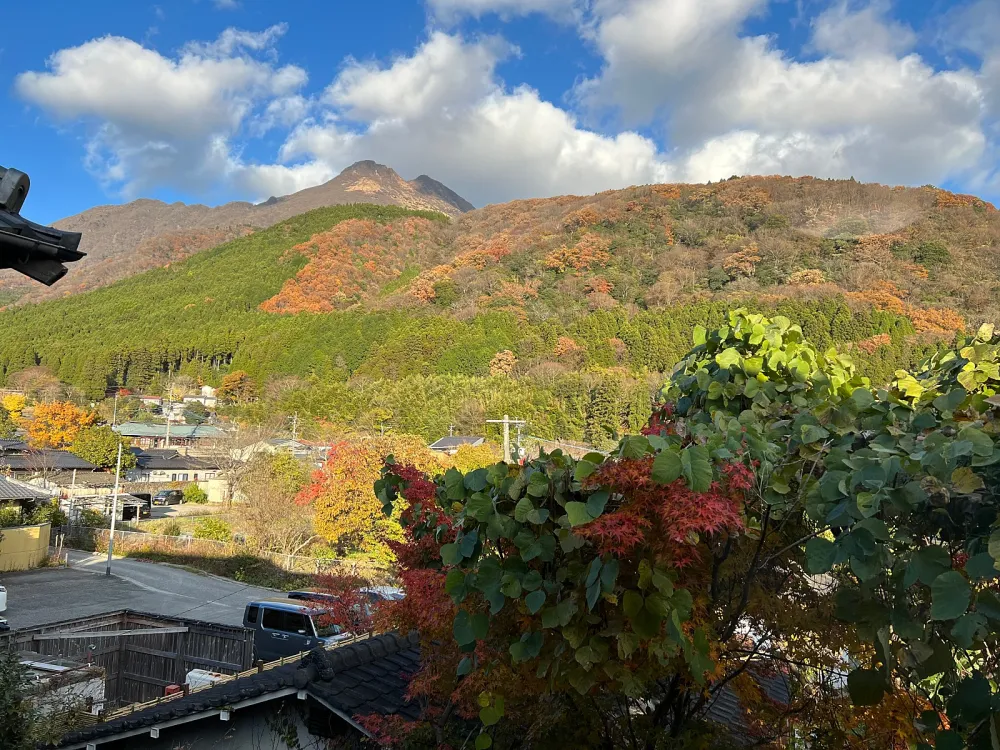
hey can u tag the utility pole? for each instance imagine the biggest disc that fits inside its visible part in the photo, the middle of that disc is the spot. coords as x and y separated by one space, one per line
170 388
114 415
451 430
295 426
114 507
507 422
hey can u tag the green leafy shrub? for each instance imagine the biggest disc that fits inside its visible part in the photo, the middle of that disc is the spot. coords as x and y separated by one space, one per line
717 279
195 494
213 528
49 513
10 515
932 253
93 519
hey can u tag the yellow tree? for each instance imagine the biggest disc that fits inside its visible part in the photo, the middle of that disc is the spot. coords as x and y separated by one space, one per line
347 513
56 424
14 404
471 457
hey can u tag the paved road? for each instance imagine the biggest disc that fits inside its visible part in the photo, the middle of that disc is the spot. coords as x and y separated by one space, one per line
50 594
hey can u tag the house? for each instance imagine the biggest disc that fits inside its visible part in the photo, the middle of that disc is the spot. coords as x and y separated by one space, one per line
452 443
149 435
206 398
303 450
159 466
314 699
21 495
23 462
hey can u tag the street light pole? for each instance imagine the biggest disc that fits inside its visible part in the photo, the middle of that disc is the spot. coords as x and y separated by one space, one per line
114 507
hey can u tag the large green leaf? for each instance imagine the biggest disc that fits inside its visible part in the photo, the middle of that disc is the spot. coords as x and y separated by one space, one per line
950 596
666 467
813 433
535 600
728 358
820 555
696 465
578 514
966 481
462 629
928 563
866 686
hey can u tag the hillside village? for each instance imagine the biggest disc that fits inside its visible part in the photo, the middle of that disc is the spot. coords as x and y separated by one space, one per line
500 375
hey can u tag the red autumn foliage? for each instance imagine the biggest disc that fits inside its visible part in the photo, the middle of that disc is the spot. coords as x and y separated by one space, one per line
670 518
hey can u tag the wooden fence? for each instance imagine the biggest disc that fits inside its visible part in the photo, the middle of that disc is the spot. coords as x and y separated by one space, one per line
138 661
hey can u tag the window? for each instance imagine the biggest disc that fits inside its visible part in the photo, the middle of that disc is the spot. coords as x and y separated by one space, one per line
288 622
184 477
173 477
196 477
252 614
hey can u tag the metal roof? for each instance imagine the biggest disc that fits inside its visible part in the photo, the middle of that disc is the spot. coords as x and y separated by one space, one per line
11 489
44 460
191 431
454 441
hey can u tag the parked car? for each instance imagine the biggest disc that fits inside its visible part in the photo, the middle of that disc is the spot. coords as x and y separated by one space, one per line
145 503
374 593
3 599
285 628
168 497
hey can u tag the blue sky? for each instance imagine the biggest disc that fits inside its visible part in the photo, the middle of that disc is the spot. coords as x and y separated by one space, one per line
215 100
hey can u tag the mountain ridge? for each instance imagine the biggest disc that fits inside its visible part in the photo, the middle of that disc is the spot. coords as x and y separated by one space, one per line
125 239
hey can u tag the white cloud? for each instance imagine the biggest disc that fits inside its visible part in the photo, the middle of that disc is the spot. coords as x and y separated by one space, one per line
442 111
444 72
698 98
684 67
846 32
227 4
451 11
160 120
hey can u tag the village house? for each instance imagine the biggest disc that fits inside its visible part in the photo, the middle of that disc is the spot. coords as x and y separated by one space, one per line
314 700
150 435
166 466
452 443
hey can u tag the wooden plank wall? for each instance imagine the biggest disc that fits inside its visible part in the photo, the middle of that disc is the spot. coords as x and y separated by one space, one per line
138 667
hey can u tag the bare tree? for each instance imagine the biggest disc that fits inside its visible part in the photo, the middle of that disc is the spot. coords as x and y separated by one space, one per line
271 517
234 450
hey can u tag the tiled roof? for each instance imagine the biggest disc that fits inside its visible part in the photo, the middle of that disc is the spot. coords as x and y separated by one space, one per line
13 444
11 489
725 709
83 478
454 441
44 460
175 462
361 678
143 429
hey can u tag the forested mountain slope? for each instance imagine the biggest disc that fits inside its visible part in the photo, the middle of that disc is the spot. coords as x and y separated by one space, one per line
124 240
565 310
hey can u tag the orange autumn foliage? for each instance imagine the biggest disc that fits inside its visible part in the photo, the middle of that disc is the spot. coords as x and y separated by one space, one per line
350 261
885 295
742 262
870 345
589 252
56 424
945 199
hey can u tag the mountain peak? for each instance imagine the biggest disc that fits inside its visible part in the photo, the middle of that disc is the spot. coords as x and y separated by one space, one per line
369 167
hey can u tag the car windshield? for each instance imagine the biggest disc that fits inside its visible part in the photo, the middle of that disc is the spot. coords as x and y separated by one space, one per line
325 626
